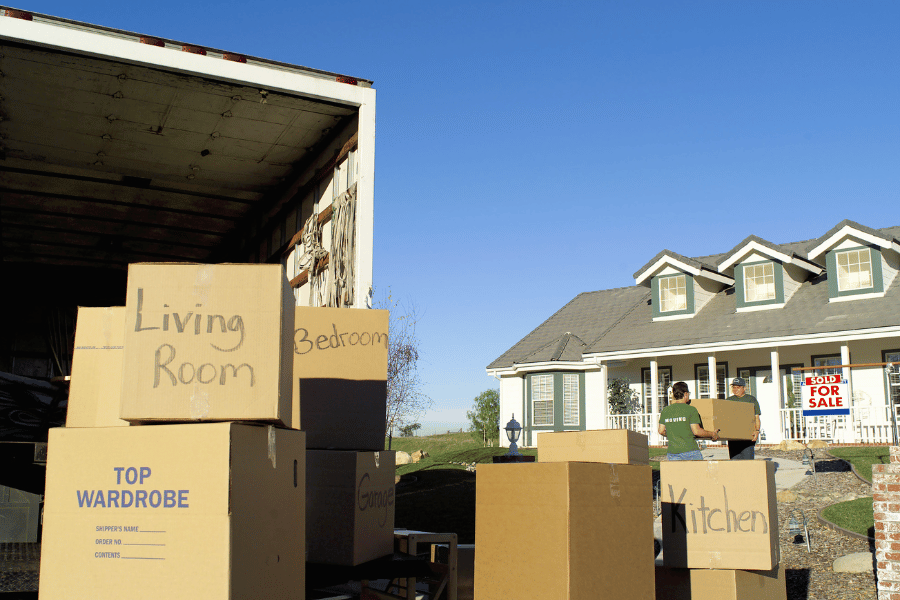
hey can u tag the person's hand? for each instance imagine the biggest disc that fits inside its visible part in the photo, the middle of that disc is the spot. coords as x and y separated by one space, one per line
755 436
715 436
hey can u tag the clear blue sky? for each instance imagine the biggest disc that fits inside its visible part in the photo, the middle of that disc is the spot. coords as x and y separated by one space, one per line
530 151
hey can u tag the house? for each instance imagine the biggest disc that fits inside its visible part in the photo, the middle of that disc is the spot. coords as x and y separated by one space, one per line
760 311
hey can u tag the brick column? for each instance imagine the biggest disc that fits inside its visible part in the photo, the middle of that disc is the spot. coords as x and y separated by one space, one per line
886 508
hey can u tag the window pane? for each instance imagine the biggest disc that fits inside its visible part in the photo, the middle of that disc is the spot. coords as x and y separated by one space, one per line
745 375
542 399
672 294
665 380
721 382
893 376
854 270
570 399
825 361
759 282
703 382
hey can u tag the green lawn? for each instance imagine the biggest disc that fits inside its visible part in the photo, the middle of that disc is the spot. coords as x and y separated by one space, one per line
446 451
855 515
863 457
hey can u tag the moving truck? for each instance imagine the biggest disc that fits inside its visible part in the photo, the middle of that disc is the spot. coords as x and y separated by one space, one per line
120 147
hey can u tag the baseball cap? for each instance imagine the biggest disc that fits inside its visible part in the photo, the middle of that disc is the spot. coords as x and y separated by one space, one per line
738 381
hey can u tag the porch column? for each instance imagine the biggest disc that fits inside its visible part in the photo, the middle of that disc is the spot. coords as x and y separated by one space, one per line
713 383
604 396
771 423
654 400
845 360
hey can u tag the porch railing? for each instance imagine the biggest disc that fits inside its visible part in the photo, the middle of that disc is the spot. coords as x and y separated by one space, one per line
864 425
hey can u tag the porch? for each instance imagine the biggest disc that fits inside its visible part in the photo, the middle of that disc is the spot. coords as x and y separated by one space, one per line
864 425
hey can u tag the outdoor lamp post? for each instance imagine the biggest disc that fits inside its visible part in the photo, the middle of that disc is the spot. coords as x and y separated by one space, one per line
798 535
513 430
809 459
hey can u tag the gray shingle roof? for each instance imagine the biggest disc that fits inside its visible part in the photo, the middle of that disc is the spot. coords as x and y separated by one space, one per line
807 312
587 316
621 319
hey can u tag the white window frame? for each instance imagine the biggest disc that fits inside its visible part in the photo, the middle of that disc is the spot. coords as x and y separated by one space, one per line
664 383
852 267
542 396
759 277
828 361
672 290
571 400
703 381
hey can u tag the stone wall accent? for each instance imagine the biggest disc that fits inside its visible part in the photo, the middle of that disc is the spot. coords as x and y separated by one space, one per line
886 508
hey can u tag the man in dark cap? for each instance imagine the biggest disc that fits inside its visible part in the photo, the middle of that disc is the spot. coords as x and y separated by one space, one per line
743 449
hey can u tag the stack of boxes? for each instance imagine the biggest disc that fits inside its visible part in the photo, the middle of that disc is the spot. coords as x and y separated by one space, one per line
340 378
720 531
577 524
182 472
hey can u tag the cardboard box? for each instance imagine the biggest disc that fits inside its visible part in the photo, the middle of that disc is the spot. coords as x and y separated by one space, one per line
95 390
349 506
735 419
719 514
340 377
620 446
565 530
208 343
212 510
702 584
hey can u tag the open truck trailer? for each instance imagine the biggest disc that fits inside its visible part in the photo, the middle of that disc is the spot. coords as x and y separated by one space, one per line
118 147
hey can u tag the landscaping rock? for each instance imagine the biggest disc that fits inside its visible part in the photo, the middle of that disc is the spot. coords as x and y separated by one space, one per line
818 444
858 562
418 455
402 458
786 496
791 445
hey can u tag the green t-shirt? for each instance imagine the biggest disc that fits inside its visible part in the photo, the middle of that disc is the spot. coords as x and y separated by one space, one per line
677 417
746 398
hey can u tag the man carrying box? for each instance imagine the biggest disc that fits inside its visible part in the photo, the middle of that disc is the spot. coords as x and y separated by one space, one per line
680 423
743 449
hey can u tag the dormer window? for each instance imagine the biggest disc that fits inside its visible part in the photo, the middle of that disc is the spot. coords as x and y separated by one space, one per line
681 286
862 262
854 269
759 282
672 294
765 275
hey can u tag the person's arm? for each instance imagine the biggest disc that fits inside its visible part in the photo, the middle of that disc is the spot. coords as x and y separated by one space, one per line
758 427
698 431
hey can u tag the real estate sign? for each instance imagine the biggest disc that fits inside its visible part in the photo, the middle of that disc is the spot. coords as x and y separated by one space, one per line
825 395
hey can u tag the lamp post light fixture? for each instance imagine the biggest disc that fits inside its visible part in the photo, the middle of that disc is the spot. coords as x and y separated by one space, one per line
513 430
809 460
797 534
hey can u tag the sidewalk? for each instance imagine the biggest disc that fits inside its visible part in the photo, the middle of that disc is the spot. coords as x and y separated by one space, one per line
788 473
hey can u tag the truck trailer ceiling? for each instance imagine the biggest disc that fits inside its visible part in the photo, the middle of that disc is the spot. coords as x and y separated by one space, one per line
104 161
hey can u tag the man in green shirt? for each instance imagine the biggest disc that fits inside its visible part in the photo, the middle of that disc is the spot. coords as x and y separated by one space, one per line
743 449
680 423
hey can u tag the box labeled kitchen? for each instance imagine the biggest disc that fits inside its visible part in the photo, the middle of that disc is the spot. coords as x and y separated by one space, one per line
208 343
620 446
340 376
719 514
209 510
349 506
